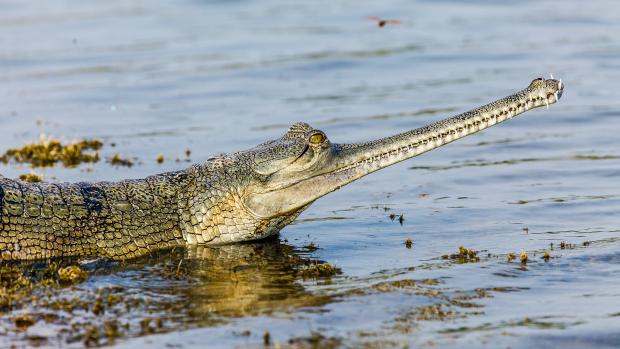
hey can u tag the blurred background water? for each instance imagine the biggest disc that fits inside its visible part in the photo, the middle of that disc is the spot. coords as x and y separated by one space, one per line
218 76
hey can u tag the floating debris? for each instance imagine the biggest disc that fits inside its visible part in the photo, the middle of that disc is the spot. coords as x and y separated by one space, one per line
188 152
523 257
145 326
160 158
566 246
383 22
401 218
117 160
91 337
31 177
267 339
319 270
98 307
111 329
23 321
465 255
311 247
546 256
408 243
510 257
49 151
71 275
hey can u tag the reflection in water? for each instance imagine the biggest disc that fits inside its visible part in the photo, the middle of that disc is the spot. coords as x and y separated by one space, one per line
209 286
248 279
177 289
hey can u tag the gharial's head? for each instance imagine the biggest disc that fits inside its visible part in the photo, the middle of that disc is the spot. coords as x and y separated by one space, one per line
284 176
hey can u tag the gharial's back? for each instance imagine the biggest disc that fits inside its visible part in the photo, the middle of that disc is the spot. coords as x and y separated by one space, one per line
43 220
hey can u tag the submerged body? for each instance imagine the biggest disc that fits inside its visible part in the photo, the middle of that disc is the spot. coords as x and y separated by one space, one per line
241 196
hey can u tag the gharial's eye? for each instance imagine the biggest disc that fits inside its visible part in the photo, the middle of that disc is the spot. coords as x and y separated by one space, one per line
317 138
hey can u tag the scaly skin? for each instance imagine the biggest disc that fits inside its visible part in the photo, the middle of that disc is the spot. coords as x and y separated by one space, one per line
242 196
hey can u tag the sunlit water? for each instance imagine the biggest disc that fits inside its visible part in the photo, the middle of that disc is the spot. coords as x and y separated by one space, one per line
218 76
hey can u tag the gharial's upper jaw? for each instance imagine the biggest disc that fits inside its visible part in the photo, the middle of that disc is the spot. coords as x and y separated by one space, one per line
544 91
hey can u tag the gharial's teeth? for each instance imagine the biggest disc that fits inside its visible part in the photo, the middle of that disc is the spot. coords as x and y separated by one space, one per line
560 84
547 103
555 94
551 75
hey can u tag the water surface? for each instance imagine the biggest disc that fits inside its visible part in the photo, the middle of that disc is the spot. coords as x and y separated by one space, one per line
218 76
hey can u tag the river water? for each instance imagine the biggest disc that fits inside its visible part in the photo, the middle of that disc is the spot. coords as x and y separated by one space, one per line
160 76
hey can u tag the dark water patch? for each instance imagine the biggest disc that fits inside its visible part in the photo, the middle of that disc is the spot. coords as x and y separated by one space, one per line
542 323
565 199
596 339
483 163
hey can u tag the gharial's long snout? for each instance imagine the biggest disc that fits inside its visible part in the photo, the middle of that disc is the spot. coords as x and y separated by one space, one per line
360 159
345 163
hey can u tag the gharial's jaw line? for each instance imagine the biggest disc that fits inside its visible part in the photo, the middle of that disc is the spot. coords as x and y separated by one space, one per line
372 156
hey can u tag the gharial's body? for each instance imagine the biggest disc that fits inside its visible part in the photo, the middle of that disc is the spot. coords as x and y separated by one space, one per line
242 196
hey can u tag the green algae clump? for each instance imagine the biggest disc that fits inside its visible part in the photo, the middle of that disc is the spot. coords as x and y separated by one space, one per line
13 286
319 270
465 255
117 160
71 275
31 177
408 243
49 151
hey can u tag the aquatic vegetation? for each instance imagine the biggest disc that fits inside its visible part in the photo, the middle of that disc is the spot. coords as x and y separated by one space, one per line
117 160
23 320
408 243
71 275
546 256
160 158
465 255
524 257
311 247
31 177
510 257
315 340
13 286
319 270
566 246
50 151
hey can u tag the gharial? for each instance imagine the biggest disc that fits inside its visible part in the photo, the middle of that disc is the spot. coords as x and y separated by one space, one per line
241 196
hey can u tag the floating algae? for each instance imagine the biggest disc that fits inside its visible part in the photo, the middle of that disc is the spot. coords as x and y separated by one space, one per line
465 255
408 243
524 257
117 160
160 158
31 177
49 151
71 275
319 270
